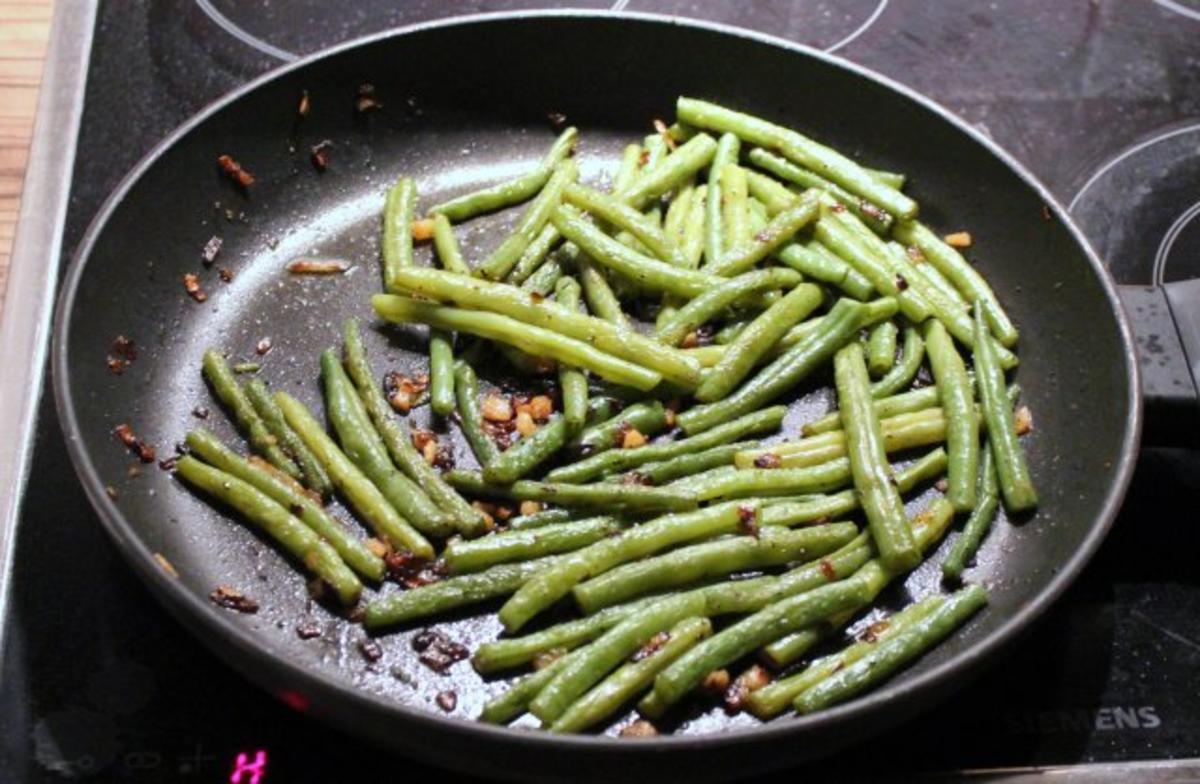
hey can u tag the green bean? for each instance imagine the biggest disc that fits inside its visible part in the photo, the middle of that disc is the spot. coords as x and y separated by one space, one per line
791 647
631 499
314 475
773 195
441 352
935 277
843 241
637 542
638 621
708 355
714 229
871 313
628 168
767 240
591 664
227 390
677 212
719 558
905 370
572 381
664 175
542 281
691 242
528 453
794 612
928 527
399 208
881 348
873 478
649 274
647 417
515 191
903 403
300 541
950 263
879 220
987 501
900 433
568 322
894 652
362 444
501 261
512 703
538 341
478 554
784 373
759 217
364 497
615 460
599 295
626 218
610 694
466 389
730 482
451 593
798 512
709 304
958 403
398 439
656 149
506 653
891 179
734 203
798 600
356 555
949 310
797 148
441 372
773 698
685 465
756 340
445 244
534 256
814 260
541 518
1012 469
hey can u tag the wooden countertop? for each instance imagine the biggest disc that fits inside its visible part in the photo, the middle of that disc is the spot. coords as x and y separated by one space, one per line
24 33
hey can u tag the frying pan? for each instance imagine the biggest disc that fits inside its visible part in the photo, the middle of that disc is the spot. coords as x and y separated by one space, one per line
465 102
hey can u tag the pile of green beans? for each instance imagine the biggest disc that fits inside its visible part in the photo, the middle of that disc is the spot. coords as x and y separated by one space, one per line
676 518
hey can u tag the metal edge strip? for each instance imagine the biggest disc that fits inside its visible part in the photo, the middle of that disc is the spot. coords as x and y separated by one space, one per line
33 272
174 596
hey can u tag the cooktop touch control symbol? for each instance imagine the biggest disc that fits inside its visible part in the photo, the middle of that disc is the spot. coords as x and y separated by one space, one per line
249 770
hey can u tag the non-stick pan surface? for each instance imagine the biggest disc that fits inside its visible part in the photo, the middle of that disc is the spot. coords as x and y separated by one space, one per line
466 103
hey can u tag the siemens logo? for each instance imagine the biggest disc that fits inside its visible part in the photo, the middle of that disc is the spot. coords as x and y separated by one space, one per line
1081 720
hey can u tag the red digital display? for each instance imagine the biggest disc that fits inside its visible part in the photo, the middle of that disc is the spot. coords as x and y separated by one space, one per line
247 770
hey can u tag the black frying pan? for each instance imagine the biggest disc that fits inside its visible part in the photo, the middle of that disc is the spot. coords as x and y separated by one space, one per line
466 102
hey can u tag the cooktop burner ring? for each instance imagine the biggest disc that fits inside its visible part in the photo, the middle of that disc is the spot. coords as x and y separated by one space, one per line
1163 255
1139 208
226 22
1177 6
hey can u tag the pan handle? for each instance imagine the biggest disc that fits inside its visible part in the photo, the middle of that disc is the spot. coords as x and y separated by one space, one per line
1166 325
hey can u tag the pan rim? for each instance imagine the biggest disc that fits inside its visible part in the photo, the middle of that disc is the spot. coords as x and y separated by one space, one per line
179 599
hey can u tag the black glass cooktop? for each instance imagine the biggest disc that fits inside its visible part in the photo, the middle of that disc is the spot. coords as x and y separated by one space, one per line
1100 99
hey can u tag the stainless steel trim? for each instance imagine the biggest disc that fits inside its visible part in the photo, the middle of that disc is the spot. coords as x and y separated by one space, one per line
1143 771
34 268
